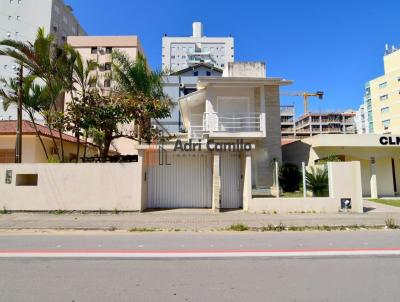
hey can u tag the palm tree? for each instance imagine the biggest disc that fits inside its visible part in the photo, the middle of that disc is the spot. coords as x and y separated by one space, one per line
80 82
134 79
46 61
33 100
318 181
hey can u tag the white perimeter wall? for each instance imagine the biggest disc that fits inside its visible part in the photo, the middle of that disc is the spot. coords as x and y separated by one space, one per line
83 186
344 183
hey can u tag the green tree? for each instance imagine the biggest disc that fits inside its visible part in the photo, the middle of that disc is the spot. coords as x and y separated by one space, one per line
80 82
289 177
317 181
144 90
45 61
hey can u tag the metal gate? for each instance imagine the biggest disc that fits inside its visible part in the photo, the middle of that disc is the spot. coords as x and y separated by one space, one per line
185 183
231 181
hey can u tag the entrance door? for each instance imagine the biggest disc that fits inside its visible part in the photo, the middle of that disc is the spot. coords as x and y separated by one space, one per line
231 182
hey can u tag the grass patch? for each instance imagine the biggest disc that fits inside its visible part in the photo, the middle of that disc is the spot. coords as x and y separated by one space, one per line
141 230
389 202
238 227
57 212
4 211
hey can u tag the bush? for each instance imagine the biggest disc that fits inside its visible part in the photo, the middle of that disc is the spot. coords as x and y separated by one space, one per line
317 181
289 177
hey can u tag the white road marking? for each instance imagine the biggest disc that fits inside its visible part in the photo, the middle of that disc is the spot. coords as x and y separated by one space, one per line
199 254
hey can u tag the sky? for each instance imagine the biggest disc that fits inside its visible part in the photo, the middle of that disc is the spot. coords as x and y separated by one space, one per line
333 45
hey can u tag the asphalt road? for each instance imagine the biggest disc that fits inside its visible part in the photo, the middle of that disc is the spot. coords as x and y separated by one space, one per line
308 279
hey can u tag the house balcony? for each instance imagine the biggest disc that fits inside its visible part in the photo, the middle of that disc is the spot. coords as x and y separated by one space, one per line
228 125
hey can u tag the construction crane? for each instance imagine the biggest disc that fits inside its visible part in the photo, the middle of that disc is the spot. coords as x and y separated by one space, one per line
305 95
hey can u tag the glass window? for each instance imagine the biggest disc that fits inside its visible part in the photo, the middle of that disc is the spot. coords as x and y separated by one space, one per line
109 50
107 83
94 50
107 66
208 73
383 97
382 85
195 73
384 109
386 124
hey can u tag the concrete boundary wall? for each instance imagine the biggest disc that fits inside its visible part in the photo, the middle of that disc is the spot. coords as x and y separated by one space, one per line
344 183
83 186
294 205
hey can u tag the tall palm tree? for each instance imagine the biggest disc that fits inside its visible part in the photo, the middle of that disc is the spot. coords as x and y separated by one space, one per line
135 79
33 100
46 61
80 81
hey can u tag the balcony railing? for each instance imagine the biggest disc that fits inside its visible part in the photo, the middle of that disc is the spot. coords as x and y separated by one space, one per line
250 122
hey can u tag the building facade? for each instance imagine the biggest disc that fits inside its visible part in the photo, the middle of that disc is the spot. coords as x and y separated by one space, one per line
231 140
181 83
20 20
382 96
288 121
181 52
361 120
99 49
378 155
325 123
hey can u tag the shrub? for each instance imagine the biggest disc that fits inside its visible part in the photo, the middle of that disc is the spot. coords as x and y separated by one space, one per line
289 177
390 223
317 181
239 227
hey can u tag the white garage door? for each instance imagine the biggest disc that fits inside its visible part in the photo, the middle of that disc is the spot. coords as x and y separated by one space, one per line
186 183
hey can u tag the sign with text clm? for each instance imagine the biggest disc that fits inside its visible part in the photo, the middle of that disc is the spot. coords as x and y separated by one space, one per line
389 140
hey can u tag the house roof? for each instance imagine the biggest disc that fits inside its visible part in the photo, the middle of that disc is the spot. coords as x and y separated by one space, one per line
241 81
10 128
286 141
202 64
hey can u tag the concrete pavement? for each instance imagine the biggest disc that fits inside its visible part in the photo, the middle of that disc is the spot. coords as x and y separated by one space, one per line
185 220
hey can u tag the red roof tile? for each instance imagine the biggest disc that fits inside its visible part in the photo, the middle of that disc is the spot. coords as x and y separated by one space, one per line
286 141
10 128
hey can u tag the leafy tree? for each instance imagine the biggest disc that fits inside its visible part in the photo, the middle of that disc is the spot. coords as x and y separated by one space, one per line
317 181
289 177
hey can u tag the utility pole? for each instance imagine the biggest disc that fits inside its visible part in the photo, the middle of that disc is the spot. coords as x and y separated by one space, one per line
18 148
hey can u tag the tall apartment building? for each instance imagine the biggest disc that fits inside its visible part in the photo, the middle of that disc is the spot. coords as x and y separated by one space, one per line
99 49
20 20
382 96
181 52
361 120
325 123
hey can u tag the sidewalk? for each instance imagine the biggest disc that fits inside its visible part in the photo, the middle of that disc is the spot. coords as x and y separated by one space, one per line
186 220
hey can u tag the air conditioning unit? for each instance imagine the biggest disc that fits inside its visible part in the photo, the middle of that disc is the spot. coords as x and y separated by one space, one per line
181 85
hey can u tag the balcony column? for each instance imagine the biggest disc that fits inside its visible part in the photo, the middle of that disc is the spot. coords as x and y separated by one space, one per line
262 110
247 182
373 182
209 110
216 182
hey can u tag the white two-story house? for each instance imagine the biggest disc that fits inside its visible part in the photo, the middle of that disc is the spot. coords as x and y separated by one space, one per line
232 139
